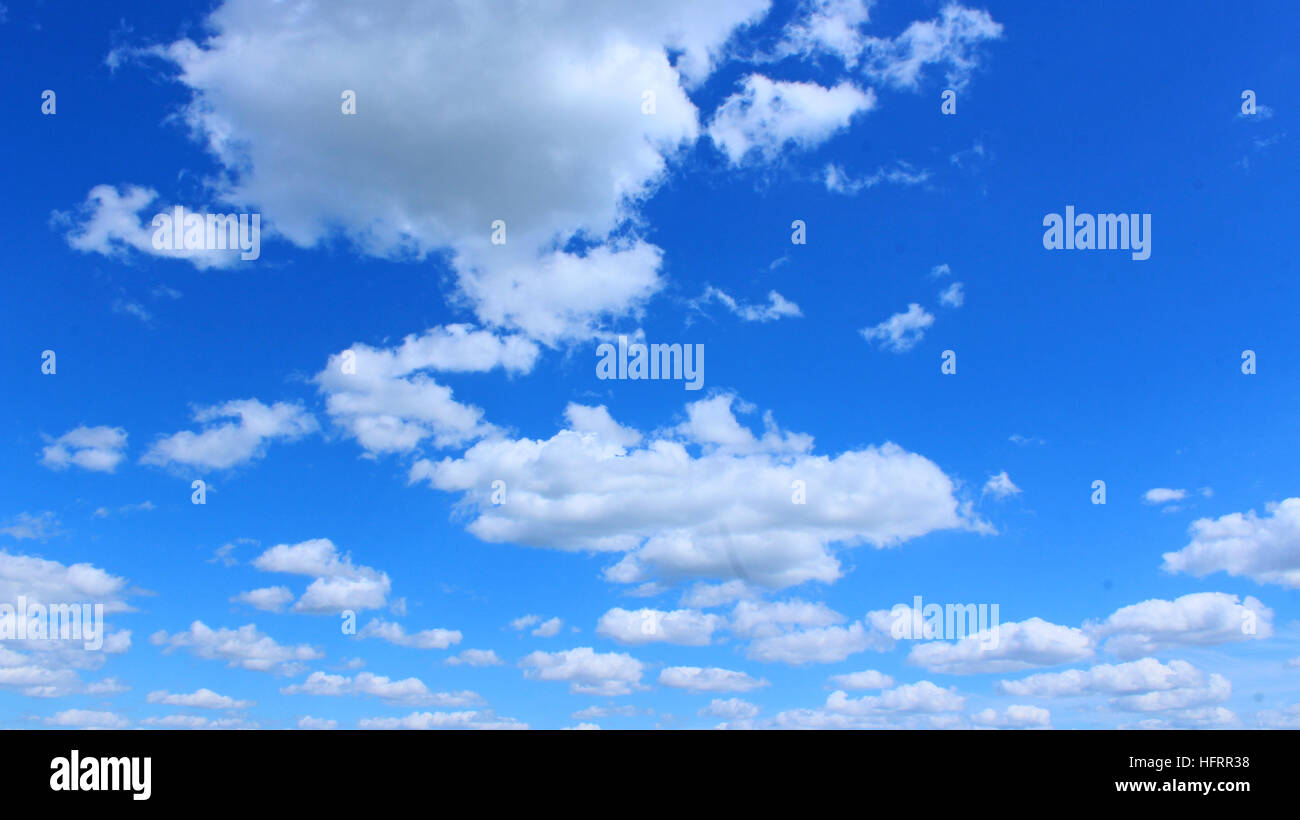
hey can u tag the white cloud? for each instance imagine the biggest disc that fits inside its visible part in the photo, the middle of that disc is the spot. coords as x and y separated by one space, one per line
867 679
704 596
725 514
839 181
475 657
309 722
411 171
524 621
87 719
338 585
900 332
825 645
549 628
99 449
1014 717
685 627
245 647
224 445
730 709
113 222
1163 495
387 399
586 671
696 679
1000 486
424 639
922 696
1023 645
776 308
201 699
40 527
952 296
408 692
1265 549
1198 619
468 719
267 599
766 116
830 27
764 619
197 722
952 39
1145 685
50 582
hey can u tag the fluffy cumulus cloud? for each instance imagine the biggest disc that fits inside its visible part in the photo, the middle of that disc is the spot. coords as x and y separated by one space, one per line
464 719
829 644
267 599
397 634
867 679
1007 647
696 679
411 172
1198 619
730 709
1017 716
43 668
681 626
1264 548
586 671
389 401
337 583
727 513
249 426
537 626
767 115
408 692
1146 685
99 449
201 699
245 647
913 705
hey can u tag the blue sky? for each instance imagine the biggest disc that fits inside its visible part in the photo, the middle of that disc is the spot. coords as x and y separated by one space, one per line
657 524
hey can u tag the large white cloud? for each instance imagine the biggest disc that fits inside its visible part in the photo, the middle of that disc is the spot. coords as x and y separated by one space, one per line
461 120
1006 648
1263 548
729 512
1198 619
1145 685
